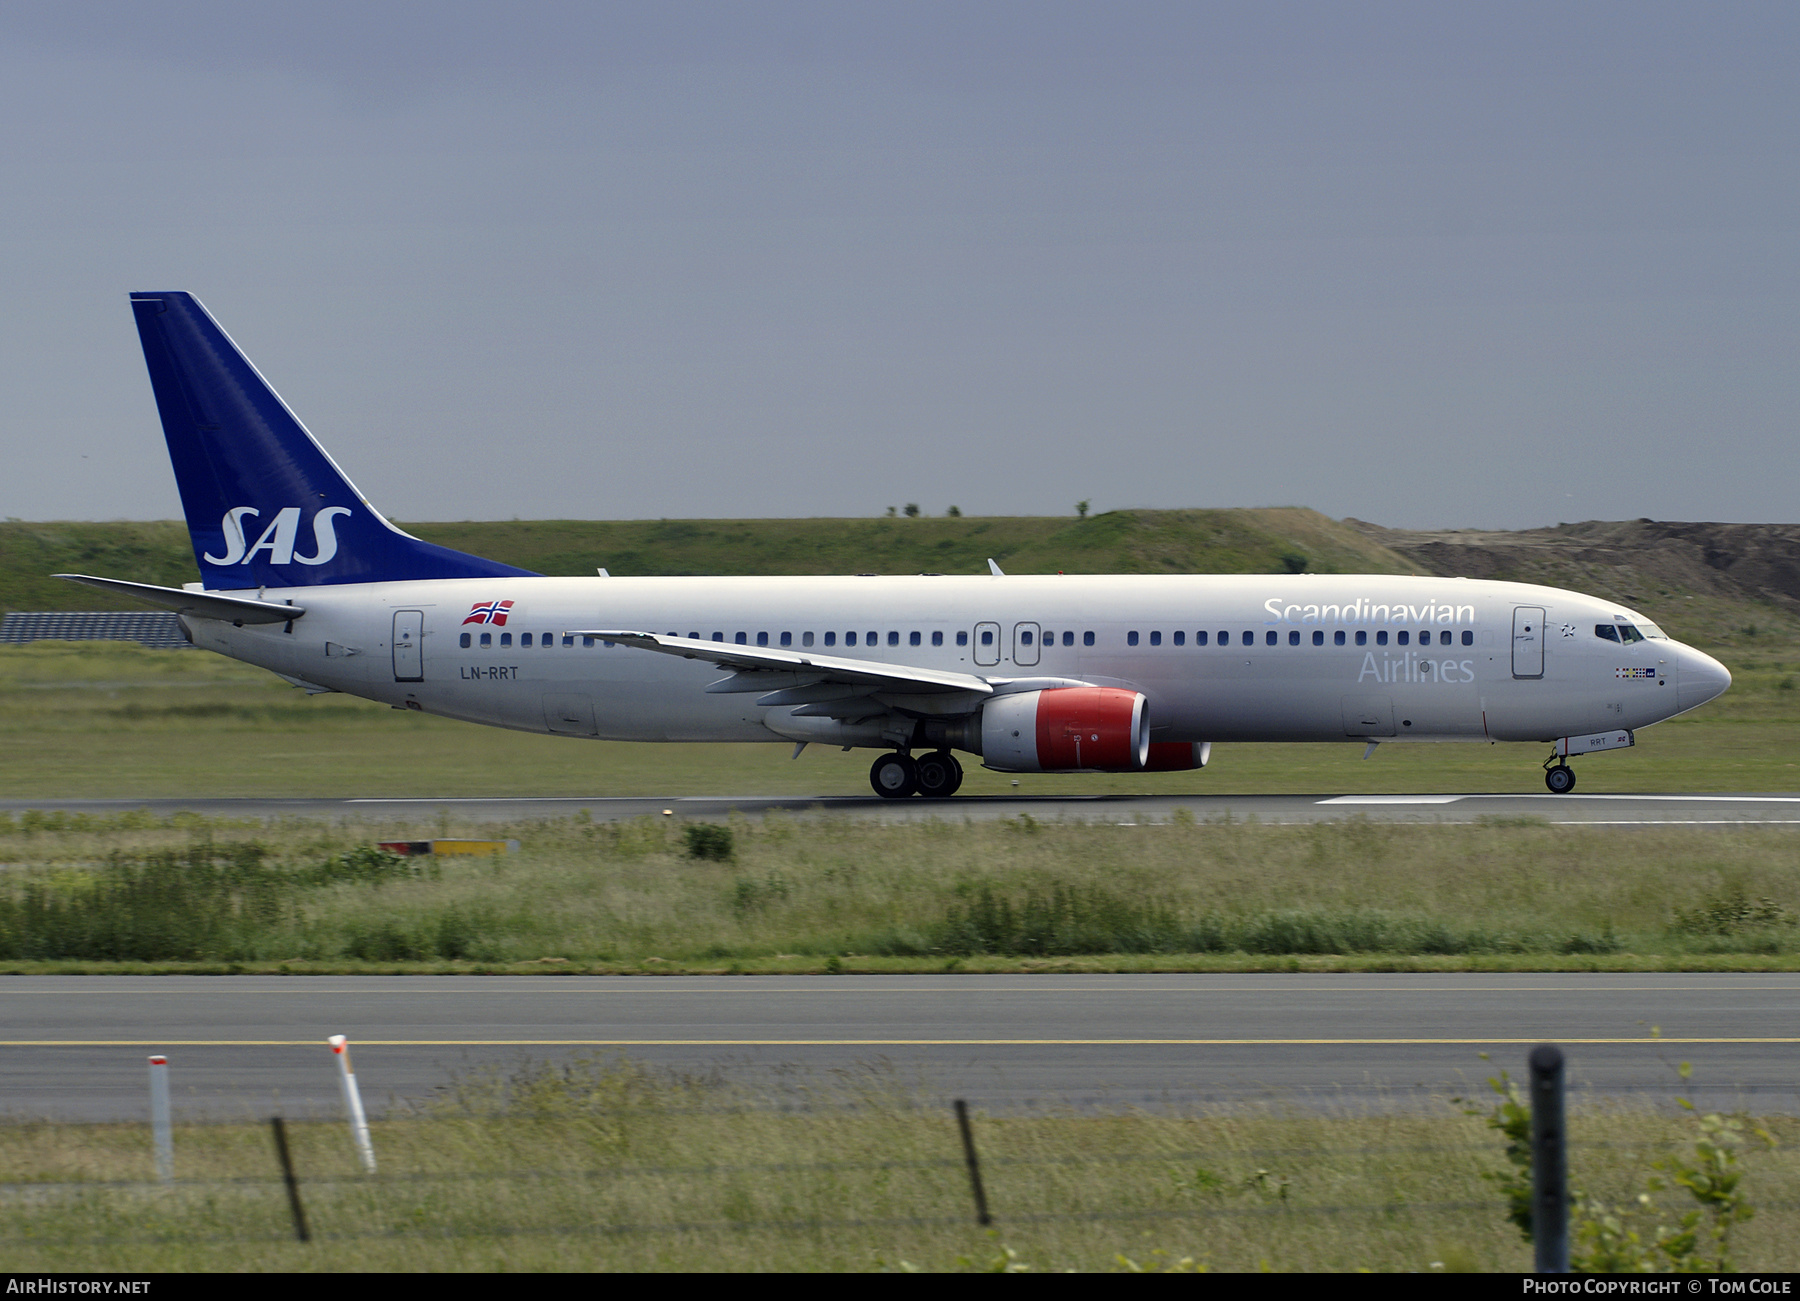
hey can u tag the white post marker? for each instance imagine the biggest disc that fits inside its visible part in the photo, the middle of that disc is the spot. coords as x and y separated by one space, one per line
162 1135
359 1125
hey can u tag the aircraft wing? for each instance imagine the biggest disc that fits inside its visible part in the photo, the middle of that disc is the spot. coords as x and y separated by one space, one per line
202 605
796 677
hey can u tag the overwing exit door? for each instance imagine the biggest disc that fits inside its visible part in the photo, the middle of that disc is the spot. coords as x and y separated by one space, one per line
409 632
1025 643
1528 641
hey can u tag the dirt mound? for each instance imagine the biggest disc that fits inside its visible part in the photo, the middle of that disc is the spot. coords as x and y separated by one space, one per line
1634 562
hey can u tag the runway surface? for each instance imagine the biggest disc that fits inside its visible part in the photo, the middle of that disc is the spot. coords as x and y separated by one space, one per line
247 1046
1749 808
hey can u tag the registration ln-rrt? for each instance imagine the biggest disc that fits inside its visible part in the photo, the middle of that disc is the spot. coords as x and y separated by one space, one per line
301 575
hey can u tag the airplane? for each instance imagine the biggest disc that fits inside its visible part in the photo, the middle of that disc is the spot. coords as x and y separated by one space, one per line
303 576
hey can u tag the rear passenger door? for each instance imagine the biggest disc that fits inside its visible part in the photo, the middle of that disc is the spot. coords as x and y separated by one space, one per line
409 657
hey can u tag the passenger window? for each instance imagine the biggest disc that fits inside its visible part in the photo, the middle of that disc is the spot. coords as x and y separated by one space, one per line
987 636
849 639
718 636
1318 639
1068 639
1250 637
1131 638
962 638
525 639
1402 638
912 639
787 639
806 639
693 636
1025 639
568 641
464 641
1087 639
831 639
742 639
506 639
937 638
1156 639
1200 639
1425 637
1270 638
893 638
872 638
1468 637
1381 637
1337 638
1362 638
487 639
762 639
1294 638
587 641
1181 639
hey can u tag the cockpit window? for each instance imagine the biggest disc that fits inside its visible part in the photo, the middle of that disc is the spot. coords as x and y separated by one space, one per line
1607 631
1628 634
1651 630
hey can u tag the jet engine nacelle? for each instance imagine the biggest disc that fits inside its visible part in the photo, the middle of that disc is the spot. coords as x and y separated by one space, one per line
1178 756
1066 729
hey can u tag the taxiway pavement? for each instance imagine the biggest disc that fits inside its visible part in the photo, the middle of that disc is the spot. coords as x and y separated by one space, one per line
248 1046
1715 809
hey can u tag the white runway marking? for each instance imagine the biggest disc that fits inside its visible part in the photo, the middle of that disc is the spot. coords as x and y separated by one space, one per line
1394 799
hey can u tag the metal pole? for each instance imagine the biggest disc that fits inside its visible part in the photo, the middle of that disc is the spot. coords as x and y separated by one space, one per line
287 1175
962 1120
1549 1163
162 1134
359 1125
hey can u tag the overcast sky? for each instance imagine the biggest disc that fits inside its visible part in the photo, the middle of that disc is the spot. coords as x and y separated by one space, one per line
1429 265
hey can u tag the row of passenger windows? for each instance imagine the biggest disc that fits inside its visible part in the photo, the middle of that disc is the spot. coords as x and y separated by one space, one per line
873 638
1339 638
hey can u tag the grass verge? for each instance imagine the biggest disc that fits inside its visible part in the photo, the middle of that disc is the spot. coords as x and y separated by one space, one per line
786 894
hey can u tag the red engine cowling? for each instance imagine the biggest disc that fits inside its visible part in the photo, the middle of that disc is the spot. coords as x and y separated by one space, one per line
1066 729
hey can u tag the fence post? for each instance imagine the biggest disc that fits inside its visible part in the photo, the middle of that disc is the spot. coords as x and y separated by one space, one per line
162 1134
359 1125
962 1120
1549 1163
287 1176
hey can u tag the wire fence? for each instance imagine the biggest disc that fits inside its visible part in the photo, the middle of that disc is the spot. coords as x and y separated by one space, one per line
971 1188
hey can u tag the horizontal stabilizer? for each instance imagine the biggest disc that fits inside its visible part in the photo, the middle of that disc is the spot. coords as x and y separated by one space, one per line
200 605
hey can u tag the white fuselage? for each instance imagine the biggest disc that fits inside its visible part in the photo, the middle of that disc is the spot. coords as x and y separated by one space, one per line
1219 658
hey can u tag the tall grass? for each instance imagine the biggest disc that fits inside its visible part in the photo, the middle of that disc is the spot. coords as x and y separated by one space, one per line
614 895
604 1164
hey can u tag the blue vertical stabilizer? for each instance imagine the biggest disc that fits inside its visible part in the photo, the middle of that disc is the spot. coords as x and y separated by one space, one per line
266 506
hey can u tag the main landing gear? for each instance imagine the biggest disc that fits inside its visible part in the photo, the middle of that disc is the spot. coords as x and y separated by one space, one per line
898 775
1558 776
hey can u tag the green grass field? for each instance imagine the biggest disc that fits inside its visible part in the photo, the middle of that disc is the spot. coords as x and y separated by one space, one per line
113 720
601 1165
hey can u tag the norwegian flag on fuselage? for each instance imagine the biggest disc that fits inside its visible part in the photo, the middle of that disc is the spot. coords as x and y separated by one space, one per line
493 612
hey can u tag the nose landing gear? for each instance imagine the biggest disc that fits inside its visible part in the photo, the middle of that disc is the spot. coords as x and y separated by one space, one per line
1558 776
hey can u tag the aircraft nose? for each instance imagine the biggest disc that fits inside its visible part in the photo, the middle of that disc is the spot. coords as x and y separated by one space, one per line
1699 678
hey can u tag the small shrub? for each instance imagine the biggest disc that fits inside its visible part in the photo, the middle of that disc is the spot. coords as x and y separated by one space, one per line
708 840
1732 915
